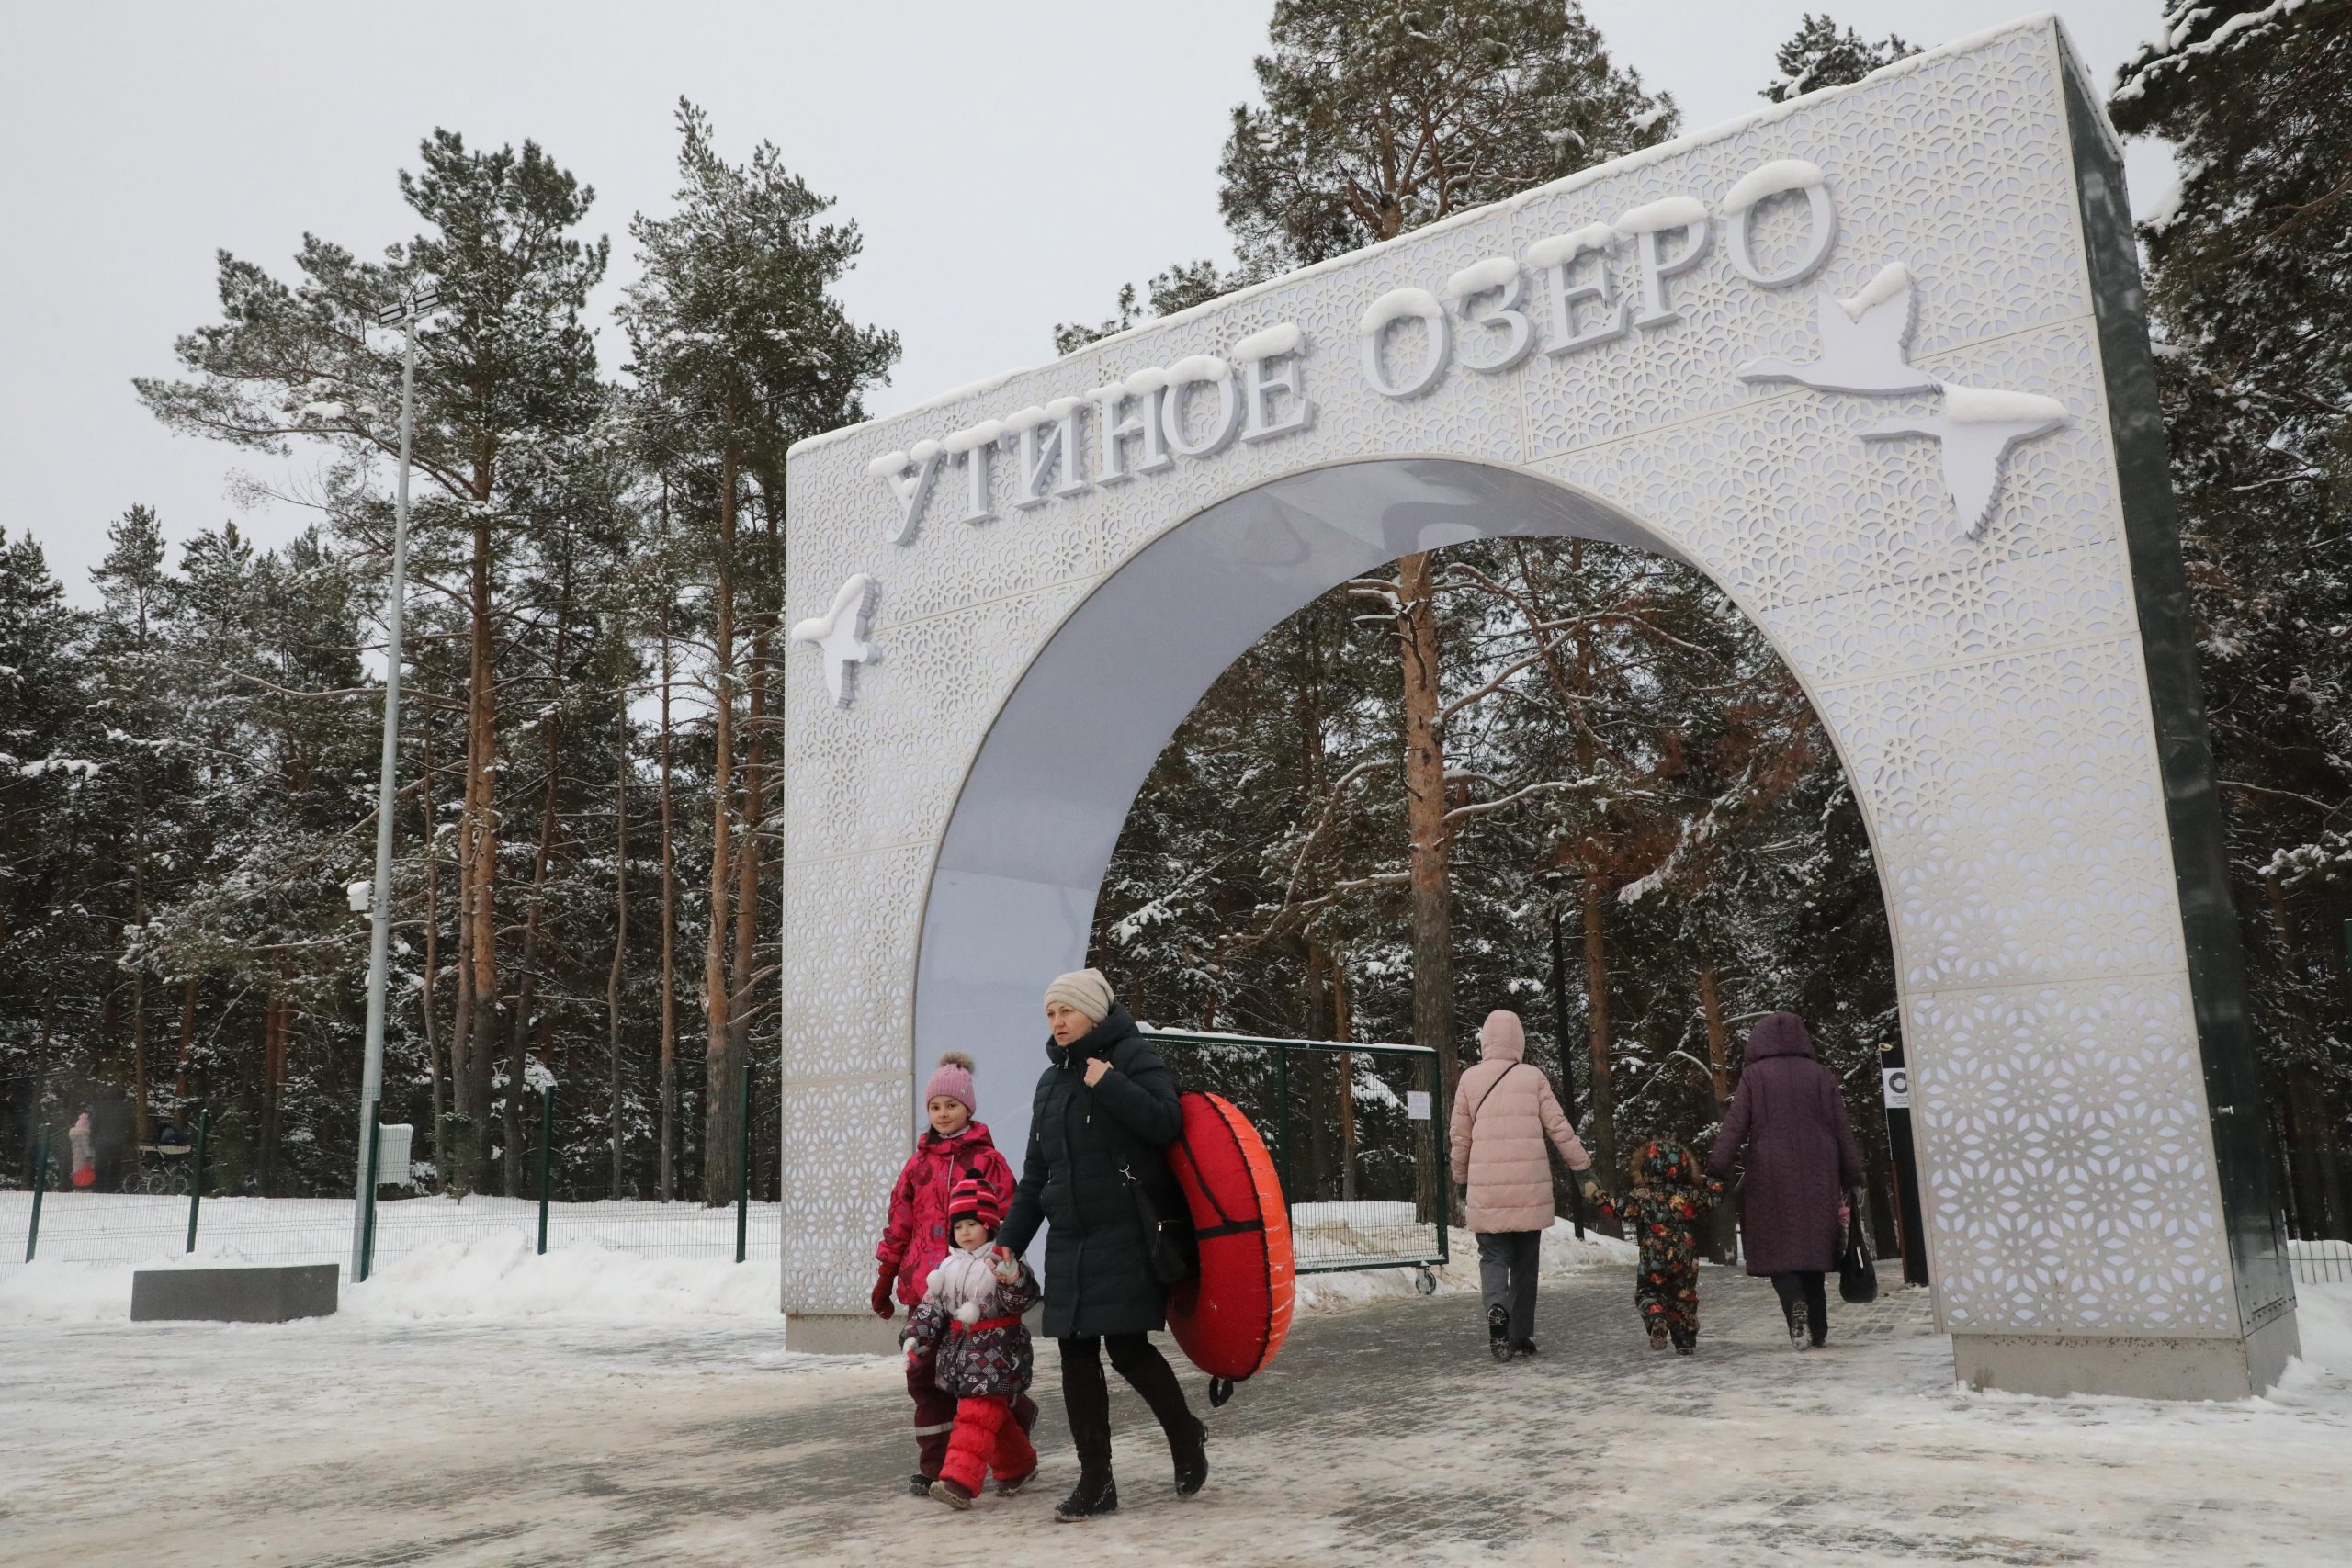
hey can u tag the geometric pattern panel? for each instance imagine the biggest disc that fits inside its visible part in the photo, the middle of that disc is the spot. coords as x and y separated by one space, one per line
2018 822
1985 690
2065 1159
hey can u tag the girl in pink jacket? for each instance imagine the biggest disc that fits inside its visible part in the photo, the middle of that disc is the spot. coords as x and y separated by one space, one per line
1503 1111
916 1240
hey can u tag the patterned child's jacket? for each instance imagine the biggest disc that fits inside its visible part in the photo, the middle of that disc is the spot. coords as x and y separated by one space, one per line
1670 1196
970 1324
916 1238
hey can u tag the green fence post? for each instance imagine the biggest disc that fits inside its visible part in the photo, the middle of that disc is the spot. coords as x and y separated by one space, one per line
1282 1130
195 1177
547 1143
41 1179
367 1224
744 1170
1440 1139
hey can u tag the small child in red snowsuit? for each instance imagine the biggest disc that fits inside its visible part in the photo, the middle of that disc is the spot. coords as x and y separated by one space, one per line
968 1332
916 1239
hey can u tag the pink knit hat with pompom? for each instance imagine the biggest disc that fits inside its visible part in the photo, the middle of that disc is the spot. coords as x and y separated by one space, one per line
953 1078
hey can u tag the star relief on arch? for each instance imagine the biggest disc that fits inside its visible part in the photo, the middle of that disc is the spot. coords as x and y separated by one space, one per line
1866 351
839 635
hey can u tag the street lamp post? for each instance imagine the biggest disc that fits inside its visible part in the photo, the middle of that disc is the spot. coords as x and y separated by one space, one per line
380 901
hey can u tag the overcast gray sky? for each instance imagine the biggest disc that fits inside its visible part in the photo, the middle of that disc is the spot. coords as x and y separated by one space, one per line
1011 166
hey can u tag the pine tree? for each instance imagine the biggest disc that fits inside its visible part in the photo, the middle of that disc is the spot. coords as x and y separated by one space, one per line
507 368
740 350
1821 56
1378 116
2250 286
43 705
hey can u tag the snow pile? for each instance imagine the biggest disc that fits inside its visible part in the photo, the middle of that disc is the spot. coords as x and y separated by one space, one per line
1268 342
1396 305
490 1278
2323 1323
1981 405
502 1277
1660 217
1770 180
1558 250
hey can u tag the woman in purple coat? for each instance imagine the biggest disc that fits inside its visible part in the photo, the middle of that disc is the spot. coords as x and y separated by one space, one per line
1801 1160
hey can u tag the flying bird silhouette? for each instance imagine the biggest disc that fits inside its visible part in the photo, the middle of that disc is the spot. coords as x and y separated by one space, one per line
840 635
1978 428
1865 341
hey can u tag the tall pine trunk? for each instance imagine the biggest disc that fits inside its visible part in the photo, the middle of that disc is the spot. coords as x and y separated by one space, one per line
1596 987
479 845
1429 881
431 941
720 1106
669 1082
534 924
620 948
1722 1223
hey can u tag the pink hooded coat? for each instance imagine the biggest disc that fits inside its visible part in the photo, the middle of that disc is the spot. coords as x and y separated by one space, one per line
1503 1110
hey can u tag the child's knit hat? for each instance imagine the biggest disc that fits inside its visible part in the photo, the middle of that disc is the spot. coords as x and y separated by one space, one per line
953 1078
973 1198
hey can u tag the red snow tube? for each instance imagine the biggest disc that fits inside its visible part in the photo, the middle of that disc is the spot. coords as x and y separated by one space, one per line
1230 1318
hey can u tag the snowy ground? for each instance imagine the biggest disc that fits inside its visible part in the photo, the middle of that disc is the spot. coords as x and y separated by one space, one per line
468 1408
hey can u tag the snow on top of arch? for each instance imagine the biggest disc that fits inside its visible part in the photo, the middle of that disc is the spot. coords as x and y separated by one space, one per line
1779 176
888 465
1559 248
1657 217
1198 368
1397 304
1269 342
1495 272
984 433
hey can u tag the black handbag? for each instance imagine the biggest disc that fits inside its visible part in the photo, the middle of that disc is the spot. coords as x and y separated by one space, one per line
1856 1263
1169 1248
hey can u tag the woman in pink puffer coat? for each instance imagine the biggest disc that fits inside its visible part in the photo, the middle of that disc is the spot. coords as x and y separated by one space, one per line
1503 1111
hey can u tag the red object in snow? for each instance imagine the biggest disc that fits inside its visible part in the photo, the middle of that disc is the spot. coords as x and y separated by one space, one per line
1231 1317
84 1176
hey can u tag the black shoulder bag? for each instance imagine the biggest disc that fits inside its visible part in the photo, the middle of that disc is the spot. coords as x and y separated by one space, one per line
1171 1249
1857 1261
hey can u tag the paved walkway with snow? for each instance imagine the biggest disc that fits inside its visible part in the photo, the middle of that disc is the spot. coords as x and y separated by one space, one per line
1384 1434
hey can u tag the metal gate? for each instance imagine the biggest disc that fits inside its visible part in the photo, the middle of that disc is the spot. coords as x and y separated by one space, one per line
1358 1136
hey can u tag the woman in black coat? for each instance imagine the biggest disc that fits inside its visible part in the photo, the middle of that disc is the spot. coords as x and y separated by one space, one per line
1105 1109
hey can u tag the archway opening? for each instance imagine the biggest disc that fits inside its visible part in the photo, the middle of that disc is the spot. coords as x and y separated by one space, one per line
1619 734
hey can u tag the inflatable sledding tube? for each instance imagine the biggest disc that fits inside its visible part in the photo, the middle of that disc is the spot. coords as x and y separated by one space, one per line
1230 1318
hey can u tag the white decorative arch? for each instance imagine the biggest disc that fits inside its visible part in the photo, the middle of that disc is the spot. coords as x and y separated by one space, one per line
1872 360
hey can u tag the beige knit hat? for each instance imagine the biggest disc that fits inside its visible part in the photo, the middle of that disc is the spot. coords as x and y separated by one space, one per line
1085 990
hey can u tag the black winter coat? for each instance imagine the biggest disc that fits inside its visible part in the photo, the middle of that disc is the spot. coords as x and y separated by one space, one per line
1083 1146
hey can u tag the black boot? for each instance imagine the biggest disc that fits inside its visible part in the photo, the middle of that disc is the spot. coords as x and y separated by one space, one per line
1092 1495
1149 1374
1523 1347
1499 1331
1800 1326
1189 1448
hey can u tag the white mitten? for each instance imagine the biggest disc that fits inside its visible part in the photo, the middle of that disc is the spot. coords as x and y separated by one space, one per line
1008 1268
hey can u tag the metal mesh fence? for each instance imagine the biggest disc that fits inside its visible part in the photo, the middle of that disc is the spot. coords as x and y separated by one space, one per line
1357 1136
158 1220
2320 1262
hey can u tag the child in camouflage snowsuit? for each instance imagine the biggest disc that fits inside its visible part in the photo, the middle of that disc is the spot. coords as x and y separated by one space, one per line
1670 1194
